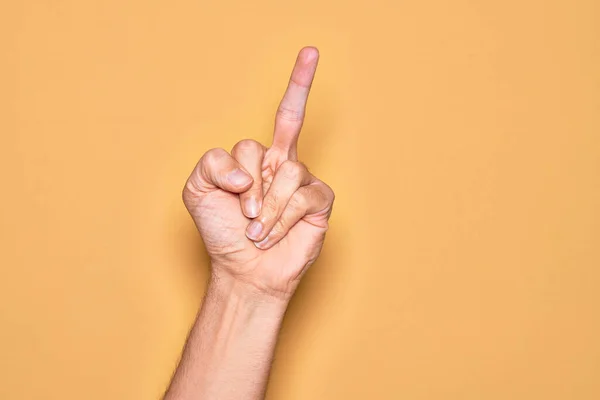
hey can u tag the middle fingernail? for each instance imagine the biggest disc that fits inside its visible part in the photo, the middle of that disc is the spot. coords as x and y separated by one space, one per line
254 229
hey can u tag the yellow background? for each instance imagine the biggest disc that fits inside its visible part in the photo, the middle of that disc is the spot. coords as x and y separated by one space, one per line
461 137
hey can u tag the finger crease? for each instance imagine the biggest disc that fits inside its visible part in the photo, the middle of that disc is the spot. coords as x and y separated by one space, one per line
289 114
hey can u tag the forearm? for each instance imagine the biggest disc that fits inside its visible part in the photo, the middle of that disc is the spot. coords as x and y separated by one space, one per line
229 351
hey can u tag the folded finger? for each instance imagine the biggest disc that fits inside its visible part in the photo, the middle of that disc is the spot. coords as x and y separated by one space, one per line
290 176
249 153
314 199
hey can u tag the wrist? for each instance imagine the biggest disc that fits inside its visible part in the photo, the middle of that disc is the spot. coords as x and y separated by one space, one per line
227 287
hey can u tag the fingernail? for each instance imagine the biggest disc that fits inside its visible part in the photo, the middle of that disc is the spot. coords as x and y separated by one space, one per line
252 207
254 229
262 243
238 177
310 54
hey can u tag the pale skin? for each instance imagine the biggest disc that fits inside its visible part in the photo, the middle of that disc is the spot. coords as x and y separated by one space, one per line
263 217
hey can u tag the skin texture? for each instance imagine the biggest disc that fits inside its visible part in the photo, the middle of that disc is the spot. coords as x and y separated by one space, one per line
263 217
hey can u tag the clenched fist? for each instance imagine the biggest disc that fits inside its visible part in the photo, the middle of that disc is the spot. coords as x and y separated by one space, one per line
261 213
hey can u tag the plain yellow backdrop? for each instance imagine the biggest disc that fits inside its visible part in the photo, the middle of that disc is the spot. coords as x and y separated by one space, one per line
461 138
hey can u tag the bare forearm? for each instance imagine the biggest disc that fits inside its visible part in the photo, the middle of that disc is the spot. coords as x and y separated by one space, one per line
230 348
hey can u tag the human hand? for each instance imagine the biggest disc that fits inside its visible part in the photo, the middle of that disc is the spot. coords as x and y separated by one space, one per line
262 215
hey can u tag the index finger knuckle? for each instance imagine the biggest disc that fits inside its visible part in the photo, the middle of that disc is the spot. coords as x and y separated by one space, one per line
247 147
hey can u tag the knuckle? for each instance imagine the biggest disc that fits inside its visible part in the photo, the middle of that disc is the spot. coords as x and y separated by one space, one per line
205 167
330 194
212 156
298 203
292 170
325 191
247 146
187 193
321 197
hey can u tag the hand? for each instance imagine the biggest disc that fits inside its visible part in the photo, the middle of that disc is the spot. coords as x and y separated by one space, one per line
261 213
